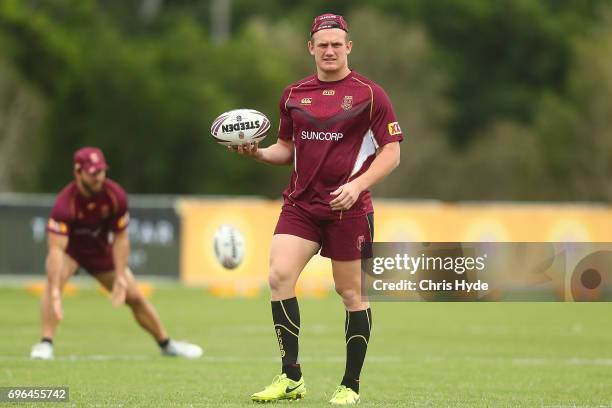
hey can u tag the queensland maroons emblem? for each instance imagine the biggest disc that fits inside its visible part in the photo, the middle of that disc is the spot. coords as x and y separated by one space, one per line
360 242
347 102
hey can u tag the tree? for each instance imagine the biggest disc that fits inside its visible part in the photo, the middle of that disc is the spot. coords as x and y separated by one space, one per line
575 128
21 115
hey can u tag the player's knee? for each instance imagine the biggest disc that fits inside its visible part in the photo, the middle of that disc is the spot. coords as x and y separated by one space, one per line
135 300
275 280
350 296
279 277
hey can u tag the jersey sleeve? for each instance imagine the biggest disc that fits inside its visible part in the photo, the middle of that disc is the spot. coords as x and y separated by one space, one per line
384 125
61 220
121 215
285 124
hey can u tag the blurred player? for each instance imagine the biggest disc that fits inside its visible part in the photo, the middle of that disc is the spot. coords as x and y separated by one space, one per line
339 130
88 229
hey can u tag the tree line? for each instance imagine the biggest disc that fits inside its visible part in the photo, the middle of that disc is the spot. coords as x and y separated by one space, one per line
505 100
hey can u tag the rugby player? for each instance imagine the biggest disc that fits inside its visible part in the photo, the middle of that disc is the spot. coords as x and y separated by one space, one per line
88 229
339 130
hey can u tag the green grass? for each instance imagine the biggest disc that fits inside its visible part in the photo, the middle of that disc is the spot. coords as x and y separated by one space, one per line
420 355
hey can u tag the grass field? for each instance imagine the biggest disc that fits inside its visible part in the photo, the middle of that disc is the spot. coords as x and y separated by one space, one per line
420 355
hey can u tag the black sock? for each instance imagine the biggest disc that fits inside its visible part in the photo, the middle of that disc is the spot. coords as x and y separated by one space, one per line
47 340
293 371
357 327
286 317
164 343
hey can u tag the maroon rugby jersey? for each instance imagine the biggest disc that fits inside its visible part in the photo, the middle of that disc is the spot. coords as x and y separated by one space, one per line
336 128
88 222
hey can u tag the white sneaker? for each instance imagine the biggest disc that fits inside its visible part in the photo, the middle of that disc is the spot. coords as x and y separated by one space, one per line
182 349
42 351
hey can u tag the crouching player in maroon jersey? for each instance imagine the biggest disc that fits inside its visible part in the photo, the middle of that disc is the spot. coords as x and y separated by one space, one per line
88 229
339 130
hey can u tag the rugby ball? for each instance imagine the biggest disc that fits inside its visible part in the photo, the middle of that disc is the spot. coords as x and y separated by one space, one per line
229 246
240 126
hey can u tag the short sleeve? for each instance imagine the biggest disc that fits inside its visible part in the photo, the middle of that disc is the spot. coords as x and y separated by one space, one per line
384 125
60 221
121 215
285 125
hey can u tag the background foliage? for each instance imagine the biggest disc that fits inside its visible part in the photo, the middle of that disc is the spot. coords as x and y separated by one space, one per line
504 100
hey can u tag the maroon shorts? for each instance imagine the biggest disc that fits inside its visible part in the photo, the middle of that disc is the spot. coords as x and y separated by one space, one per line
93 263
340 239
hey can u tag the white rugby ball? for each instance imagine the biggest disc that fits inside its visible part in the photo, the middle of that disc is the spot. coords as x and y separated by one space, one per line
240 126
229 246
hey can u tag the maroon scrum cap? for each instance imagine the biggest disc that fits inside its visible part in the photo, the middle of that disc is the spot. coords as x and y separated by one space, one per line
89 159
328 20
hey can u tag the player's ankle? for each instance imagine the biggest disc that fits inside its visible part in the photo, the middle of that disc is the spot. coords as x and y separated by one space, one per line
293 371
164 343
350 383
47 340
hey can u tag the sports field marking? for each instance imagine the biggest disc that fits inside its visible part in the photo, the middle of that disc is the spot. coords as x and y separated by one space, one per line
94 357
209 359
374 359
569 361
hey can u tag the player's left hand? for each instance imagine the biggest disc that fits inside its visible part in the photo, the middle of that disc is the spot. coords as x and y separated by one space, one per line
248 149
119 291
346 194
